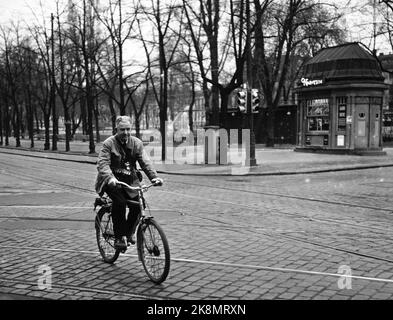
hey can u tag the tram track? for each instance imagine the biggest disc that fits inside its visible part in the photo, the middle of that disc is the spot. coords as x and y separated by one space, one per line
65 186
252 207
269 194
73 188
279 195
89 191
243 228
390 210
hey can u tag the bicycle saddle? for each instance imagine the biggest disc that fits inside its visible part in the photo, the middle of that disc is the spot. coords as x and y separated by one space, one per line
101 202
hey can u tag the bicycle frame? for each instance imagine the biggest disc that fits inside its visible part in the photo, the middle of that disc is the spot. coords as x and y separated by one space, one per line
141 203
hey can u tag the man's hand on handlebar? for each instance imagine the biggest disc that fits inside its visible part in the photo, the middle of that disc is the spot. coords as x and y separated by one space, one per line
113 182
157 181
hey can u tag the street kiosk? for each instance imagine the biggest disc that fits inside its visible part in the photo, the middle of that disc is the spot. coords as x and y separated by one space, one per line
340 95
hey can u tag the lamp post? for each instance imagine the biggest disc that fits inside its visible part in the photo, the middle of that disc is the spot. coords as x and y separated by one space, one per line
252 161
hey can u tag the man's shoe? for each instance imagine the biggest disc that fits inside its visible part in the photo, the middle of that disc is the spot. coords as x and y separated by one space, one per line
131 239
120 245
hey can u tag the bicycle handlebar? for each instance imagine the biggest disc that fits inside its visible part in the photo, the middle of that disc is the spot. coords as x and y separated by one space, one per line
143 187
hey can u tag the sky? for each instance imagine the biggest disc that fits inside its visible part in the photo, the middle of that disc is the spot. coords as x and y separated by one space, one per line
358 17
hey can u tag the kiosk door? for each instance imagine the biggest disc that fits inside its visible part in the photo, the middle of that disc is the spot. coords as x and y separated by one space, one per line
361 126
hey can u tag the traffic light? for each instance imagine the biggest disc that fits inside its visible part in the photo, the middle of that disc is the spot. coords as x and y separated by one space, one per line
255 100
241 101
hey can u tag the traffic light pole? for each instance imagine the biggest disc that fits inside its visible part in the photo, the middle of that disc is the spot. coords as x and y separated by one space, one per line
250 114
252 161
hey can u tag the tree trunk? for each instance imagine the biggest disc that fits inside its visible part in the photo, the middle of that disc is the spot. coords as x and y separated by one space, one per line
147 116
206 96
47 133
7 124
113 114
68 135
90 107
37 122
17 125
137 126
270 128
30 110
30 119
30 125
190 117
163 120
224 93
75 125
82 104
96 117
55 123
67 123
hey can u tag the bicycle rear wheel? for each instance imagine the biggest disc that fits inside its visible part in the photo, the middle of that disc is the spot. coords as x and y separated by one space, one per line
106 236
153 249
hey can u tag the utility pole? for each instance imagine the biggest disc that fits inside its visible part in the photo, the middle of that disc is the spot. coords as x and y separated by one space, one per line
250 115
52 88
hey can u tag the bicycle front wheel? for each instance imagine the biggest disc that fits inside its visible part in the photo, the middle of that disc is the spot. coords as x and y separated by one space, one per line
106 236
153 249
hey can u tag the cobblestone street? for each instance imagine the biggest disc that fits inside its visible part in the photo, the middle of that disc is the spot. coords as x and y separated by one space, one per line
251 237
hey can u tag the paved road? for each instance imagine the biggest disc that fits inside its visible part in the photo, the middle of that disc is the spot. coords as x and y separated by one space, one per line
279 237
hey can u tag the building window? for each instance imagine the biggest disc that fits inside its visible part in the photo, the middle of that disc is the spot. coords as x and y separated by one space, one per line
318 115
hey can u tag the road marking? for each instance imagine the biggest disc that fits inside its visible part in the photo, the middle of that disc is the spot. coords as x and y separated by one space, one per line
225 264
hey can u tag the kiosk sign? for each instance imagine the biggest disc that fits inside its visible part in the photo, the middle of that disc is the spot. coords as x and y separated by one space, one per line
306 82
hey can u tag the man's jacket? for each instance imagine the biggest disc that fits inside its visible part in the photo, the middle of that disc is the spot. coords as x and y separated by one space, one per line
111 160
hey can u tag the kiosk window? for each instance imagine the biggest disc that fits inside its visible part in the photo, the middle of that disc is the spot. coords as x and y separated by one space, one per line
318 124
318 113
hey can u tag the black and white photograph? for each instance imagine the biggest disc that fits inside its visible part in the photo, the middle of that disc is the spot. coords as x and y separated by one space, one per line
196 157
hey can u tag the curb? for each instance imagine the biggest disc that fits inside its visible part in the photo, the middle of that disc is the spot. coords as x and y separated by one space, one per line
278 173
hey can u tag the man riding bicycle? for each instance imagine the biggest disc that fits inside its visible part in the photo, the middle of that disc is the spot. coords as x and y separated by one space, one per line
117 162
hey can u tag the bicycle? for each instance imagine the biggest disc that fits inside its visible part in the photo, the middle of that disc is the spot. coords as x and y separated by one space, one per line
151 242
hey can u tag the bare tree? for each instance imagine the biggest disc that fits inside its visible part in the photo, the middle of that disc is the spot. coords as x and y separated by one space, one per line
119 26
225 38
83 38
41 94
160 14
281 27
141 101
12 74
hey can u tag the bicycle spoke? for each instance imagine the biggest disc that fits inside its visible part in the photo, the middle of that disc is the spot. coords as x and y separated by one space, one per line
105 237
154 252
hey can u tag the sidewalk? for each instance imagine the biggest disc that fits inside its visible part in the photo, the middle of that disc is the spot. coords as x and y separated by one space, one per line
270 161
